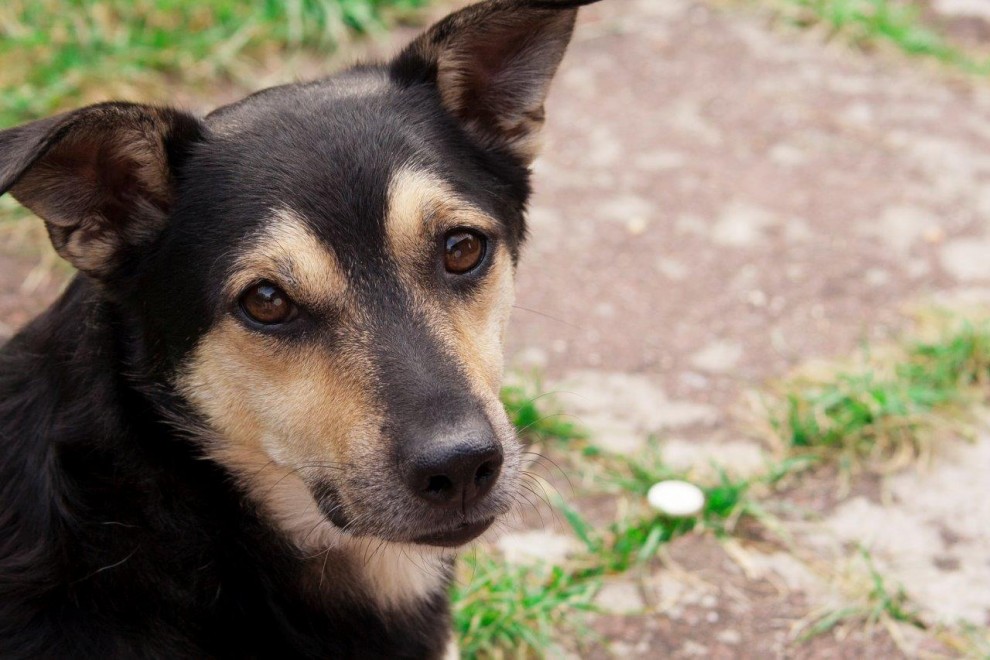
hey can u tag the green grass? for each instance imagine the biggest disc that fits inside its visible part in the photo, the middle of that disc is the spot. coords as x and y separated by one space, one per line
623 545
728 499
60 53
892 402
890 406
970 640
635 539
503 610
879 603
536 417
871 22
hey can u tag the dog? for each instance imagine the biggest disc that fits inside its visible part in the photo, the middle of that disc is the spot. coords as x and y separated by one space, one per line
264 414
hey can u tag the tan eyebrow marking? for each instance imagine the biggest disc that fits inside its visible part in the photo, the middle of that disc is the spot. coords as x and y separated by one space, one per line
416 197
288 254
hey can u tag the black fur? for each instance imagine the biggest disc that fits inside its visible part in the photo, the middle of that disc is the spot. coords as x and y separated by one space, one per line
118 538
119 542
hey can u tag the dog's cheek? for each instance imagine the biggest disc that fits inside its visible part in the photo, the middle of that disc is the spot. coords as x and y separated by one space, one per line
297 405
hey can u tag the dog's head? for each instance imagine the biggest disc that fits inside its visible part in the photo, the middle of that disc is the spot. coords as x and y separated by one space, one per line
322 273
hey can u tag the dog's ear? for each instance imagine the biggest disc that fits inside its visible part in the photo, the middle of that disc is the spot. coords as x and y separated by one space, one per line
102 178
492 63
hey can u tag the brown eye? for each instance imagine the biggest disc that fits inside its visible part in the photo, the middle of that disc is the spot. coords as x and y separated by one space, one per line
267 304
463 250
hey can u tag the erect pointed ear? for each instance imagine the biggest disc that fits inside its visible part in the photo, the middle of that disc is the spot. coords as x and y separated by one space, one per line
492 63
102 178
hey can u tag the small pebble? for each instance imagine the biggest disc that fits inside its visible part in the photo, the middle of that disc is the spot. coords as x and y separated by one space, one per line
677 499
636 225
934 235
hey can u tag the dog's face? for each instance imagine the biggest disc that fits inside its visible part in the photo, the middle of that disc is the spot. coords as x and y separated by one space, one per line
360 277
321 275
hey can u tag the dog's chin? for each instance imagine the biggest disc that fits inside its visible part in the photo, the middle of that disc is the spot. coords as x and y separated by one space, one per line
455 537
450 534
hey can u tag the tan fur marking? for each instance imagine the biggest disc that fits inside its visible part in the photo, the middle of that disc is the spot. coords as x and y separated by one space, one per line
289 255
398 573
420 207
393 574
479 326
275 411
286 413
418 199
290 403
283 413
276 408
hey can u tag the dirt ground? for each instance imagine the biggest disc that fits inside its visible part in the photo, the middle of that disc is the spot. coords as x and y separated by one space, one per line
720 200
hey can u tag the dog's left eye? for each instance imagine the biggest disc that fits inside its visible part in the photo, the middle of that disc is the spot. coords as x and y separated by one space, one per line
267 304
463 251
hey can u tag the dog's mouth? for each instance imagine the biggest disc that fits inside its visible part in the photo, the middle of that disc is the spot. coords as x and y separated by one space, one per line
453 532
457 536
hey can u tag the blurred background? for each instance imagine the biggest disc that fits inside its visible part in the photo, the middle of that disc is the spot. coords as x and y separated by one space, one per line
759 263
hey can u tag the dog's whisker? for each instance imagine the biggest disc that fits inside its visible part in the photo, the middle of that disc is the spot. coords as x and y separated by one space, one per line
543 483
536 509
548 316
523 429
547 393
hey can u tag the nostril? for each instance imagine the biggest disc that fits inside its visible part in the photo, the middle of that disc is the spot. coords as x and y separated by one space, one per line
439 485
485 472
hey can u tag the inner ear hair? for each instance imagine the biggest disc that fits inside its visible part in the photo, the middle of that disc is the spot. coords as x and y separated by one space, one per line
102 177
492 64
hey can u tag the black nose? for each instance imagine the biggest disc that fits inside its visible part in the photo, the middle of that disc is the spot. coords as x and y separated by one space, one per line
457 467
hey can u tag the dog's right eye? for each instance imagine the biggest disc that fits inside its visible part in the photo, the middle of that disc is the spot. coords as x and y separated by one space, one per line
267 304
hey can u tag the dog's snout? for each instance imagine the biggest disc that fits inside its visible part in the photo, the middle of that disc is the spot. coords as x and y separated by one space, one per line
458 468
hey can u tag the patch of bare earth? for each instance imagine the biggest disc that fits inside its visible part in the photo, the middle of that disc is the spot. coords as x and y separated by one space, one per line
719 202
26 288
966 22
